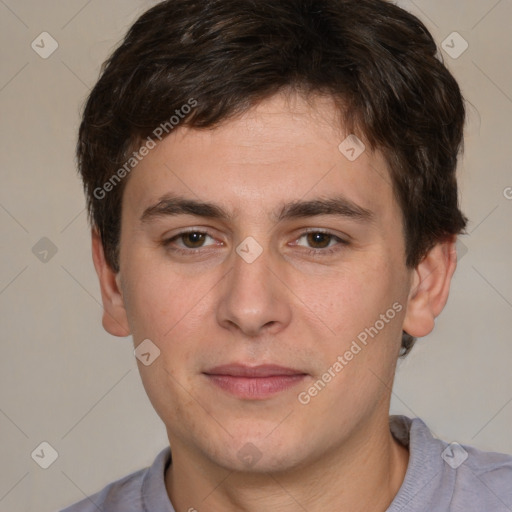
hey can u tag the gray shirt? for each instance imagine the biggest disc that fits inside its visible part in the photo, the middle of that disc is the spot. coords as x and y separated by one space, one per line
440 477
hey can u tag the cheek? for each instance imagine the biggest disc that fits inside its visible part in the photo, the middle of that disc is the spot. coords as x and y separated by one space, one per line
158 299
349 297
364 309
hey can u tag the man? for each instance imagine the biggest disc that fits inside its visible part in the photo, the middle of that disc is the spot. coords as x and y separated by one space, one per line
272 193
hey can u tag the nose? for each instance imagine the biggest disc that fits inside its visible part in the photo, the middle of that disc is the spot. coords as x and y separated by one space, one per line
254 300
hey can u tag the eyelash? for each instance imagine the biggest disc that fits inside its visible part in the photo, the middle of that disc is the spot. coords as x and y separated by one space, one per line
312 252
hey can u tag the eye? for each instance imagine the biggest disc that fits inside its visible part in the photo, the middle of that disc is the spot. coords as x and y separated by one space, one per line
320 241
315 242
189 240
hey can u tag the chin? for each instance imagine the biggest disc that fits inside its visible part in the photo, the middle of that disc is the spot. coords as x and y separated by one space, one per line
258 455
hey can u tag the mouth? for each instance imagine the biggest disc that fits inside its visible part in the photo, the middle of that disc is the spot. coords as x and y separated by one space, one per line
254 382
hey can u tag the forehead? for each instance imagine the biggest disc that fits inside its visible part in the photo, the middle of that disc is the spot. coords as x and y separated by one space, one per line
284 149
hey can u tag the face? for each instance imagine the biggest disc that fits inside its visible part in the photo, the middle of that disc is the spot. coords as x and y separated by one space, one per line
269 271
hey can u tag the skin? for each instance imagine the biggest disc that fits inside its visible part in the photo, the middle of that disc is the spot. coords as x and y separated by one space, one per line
288 307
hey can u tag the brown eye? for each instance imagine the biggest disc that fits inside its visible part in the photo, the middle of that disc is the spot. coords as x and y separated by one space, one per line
190 242
318 240
193 239
318 243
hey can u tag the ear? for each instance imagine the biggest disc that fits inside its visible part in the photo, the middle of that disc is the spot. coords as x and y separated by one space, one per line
430 288
115 320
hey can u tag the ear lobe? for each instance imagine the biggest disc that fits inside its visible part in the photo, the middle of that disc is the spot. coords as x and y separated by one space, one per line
115 320
430 288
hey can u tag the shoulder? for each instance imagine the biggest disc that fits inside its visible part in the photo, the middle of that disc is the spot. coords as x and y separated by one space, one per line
121 495
485 477
462 477
127 493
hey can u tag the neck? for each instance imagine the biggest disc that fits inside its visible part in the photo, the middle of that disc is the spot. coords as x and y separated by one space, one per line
360 475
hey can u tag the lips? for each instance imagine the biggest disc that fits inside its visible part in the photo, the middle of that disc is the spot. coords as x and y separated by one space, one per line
254 382
265 370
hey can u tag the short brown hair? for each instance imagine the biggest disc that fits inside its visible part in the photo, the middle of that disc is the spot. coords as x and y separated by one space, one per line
376 60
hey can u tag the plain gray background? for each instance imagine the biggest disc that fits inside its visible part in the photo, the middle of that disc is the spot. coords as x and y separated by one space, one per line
65 381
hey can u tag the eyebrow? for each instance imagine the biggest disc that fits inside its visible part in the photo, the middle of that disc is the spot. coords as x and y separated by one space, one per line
340 206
